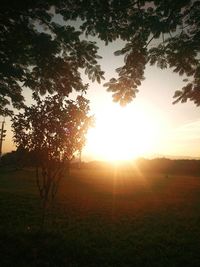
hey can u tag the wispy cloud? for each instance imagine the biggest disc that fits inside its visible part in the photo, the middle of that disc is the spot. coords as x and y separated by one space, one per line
186 132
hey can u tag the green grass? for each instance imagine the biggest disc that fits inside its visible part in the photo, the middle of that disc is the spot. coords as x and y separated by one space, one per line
103 218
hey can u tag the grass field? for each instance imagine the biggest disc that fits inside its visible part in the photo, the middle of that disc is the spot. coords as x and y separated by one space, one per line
102 217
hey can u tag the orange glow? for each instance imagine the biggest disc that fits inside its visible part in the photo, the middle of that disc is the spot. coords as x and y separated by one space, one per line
124 133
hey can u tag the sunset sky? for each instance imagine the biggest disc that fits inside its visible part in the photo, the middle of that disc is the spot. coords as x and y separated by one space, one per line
150 126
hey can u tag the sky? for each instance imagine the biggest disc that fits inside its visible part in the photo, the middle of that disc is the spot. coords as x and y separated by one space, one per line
153 126
150 126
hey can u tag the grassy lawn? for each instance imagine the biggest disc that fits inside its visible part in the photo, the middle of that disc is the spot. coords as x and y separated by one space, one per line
102 217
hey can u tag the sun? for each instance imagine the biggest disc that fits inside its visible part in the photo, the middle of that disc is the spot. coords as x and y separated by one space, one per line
124 133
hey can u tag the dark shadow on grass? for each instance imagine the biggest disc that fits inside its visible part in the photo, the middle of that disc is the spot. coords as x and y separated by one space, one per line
55 249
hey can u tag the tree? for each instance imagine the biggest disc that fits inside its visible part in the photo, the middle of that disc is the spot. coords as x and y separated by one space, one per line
173 25
17 159
51 55
40 54
52 131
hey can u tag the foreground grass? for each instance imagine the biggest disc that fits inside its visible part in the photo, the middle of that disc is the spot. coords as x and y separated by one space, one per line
102 218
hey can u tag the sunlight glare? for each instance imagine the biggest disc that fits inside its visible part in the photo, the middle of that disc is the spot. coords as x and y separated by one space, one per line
124 133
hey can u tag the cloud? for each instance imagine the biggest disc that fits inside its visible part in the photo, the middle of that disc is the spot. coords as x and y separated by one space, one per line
186 132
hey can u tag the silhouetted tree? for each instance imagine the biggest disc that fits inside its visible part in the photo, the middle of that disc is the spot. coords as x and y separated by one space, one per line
17 159
52 131
45 56
38 53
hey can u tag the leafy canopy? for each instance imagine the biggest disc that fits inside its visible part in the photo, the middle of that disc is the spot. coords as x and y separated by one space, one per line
52 131
38 53
54 128
46 56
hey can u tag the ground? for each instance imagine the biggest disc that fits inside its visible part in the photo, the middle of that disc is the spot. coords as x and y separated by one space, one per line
102 217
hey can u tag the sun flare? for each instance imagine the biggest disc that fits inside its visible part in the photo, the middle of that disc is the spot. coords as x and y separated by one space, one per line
124 133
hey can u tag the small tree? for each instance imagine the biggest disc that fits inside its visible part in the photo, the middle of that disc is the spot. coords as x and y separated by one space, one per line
53 130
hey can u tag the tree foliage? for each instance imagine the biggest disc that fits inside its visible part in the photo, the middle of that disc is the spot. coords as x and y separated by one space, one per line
53 130
165 33
47 56
38 53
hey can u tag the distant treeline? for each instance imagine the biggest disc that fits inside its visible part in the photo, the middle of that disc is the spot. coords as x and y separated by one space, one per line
161 165
166 166
169 166
17 159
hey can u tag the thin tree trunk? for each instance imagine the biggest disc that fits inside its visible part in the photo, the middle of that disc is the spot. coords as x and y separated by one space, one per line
44 207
